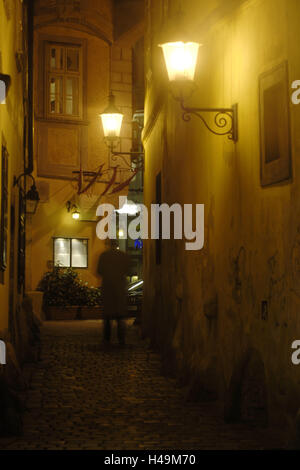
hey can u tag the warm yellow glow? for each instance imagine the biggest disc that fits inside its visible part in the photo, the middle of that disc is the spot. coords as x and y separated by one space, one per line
181 59
121 233
76 215
111 124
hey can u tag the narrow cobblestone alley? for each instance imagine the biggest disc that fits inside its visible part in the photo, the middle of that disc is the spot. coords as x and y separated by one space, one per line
83 396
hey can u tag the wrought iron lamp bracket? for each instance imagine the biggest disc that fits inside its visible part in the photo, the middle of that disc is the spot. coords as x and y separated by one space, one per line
134 156
16 181
225 119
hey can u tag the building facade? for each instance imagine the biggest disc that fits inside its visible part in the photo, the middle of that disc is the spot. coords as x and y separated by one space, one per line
59 61
225 317
15 160
81 54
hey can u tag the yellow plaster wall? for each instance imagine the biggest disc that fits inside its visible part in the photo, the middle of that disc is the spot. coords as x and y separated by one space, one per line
53 220
11 128
251 234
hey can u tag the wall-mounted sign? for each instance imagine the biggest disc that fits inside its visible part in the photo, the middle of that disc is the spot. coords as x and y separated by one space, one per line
275 137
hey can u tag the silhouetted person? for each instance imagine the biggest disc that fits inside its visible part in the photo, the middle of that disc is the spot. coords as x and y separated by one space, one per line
113 267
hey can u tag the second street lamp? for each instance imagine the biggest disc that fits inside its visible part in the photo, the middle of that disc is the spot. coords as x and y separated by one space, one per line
111 121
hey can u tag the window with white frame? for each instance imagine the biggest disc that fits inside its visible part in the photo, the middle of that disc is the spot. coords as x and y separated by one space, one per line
63 75
70 252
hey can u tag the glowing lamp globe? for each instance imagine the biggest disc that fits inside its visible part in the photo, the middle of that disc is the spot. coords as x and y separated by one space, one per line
180 59
76 214
111 120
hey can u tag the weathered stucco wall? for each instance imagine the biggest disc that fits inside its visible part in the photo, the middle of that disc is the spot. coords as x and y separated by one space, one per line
204 308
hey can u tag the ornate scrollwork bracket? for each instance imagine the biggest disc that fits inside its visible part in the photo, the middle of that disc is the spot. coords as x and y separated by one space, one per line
135 157
225 121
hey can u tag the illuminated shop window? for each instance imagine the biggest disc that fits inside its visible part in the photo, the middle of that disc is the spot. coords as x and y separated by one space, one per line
70 252
64 80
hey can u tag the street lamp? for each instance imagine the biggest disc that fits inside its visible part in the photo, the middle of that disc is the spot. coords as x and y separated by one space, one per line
74 209
32 197
180 56
32 200
76 214
181 59
111 121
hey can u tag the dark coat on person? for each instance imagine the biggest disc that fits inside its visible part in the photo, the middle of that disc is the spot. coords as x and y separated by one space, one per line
113 268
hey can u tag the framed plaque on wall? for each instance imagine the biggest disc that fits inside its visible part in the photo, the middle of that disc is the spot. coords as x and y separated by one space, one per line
275 141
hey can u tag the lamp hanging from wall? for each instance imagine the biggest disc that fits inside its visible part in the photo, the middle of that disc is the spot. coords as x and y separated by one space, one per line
32 197
181 59
180 54
74 209
32 200
76 214
111 121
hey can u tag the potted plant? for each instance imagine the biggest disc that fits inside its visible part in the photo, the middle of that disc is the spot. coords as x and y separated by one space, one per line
66 297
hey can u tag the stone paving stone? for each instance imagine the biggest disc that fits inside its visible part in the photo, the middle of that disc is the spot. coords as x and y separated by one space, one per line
83 395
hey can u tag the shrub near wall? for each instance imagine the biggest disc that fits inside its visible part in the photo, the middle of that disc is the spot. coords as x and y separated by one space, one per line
67 297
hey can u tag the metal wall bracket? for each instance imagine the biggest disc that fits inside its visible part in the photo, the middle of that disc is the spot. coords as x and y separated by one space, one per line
136 157
225 119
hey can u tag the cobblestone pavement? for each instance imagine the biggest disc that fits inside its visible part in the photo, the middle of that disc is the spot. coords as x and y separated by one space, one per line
86 396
